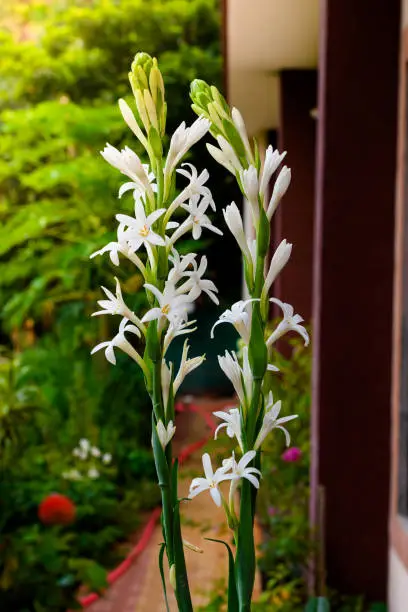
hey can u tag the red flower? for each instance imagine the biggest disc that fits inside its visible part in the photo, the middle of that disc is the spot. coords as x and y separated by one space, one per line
56 509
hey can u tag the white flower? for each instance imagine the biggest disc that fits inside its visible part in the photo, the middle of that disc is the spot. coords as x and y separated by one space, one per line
232 423
120 341
272 160
290 322
129 117
182 140
85 445
280 188
186 366
195 280
81 454
198 219
106 458
240 469
241 378
165 434
271 421
140 231
95 452
121 246
129 164
196 185
210 482
93 473
115 305
239 317
178 327
240 125
278 262
171 305
180 265
233 219
135 187
250 184
225 155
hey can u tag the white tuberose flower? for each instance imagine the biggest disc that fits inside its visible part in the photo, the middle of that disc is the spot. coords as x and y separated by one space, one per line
196 185
280 188
198 219
165 434
271 163
115 305
225 155
278 262
232 422
186 366
129 164
290 322
210 482
171 305
121 246
239 317
195 280
250 184
182 140
271 421
239 377
140 231
120 341
240 125
233 219
240 469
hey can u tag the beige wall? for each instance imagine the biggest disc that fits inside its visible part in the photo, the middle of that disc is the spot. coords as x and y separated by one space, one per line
262 38
398 584
404 17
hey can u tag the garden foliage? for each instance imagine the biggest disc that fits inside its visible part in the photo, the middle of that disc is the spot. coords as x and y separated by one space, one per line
64 65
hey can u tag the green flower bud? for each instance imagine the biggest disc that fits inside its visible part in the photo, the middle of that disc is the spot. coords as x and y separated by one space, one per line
144 61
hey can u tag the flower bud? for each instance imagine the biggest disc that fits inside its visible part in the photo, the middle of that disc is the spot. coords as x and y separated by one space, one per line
172 576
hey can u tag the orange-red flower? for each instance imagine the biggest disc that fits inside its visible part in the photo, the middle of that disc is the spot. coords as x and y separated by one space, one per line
56 509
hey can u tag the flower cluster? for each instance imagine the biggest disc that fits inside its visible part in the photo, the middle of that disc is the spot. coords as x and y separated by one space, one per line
230 470
173 282
258 413
91 458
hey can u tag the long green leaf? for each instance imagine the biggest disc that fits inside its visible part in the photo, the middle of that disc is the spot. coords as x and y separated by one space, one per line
161 555
233 605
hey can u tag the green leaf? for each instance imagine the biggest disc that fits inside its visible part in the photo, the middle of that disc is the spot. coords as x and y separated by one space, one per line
318 604
161 555
233 605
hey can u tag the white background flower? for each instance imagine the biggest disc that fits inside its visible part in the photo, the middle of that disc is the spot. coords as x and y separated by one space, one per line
210 482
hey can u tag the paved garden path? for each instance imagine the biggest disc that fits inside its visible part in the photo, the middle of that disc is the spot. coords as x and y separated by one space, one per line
140 589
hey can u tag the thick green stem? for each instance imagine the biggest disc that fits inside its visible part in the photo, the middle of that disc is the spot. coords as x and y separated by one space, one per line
168 488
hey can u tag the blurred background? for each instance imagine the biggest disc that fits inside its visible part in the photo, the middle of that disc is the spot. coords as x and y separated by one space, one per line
325 81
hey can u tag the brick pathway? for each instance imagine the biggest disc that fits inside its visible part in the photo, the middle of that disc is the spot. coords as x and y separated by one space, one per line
140 589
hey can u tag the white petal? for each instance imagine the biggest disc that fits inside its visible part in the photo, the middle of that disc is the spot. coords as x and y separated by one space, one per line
216 495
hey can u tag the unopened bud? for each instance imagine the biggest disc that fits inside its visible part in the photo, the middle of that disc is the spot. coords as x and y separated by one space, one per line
192 547
172 576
